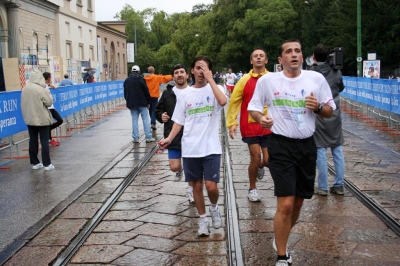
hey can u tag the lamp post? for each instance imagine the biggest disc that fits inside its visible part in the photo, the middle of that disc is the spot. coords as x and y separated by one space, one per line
359 52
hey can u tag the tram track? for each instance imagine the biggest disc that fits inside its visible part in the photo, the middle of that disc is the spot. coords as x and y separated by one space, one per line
235 257
370 204
77 242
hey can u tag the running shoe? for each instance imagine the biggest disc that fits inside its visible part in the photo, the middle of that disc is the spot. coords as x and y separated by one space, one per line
54 143
49 167
178 176
216 218
281 263
261 173
320 191
150 140
288 256
203 228
252 195
190 197
37 166
337 190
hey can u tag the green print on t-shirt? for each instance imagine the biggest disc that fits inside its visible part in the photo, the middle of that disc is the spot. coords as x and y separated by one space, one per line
289 103
204 109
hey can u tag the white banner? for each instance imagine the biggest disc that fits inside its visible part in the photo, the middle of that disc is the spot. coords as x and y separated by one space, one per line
99 54
130 52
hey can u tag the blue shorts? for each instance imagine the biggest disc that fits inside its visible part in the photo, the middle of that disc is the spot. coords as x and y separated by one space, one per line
206 168
261 140
174 153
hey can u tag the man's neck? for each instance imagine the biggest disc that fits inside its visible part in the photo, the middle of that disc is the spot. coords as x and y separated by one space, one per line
200 85
181 86
292 74
258 70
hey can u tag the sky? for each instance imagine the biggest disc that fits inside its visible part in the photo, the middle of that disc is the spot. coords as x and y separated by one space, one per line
106 9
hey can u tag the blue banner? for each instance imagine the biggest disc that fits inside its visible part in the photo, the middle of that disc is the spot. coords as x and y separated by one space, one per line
11 120
379 93
67 100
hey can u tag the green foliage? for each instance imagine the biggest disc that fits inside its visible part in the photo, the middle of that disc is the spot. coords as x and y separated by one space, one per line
228 30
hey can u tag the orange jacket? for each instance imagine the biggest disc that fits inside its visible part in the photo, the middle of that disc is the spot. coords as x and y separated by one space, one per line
153 83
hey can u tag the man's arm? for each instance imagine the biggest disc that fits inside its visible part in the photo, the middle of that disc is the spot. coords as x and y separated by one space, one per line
174 131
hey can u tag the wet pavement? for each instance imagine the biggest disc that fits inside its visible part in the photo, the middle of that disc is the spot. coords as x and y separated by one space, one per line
152 222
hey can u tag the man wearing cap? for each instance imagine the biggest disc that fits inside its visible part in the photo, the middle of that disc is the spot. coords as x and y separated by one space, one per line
66 81
137 96
153 82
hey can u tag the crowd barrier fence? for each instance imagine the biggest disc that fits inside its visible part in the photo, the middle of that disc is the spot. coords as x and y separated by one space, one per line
78 105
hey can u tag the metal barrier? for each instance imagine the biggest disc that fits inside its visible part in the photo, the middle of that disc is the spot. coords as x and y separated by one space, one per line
79 120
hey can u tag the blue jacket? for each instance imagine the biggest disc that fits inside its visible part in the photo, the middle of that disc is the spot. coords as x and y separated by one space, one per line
136 92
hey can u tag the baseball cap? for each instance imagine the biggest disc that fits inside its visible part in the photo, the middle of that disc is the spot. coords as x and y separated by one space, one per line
135 68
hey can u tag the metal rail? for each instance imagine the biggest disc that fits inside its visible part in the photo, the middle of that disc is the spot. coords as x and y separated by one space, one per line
370 204
235 253
78 241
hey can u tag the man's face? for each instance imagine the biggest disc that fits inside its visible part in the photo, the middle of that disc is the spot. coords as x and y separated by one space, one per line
229 71
292 56
48 81
198 72
258 58
180 76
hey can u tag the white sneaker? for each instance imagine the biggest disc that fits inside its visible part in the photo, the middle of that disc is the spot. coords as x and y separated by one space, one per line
135 141
203 228
190 197
289 257
37 166
216 218
282 263
49 167
150 140
261 173
178 176
252 195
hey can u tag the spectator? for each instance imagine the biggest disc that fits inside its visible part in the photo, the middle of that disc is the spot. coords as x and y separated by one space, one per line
200 117
66 81
328 131
137 99
35 100
294 97
53 111
252 133
216 77
153 82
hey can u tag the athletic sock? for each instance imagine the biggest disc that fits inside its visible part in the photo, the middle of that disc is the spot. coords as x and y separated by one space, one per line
203 217
281 258
214 207
190 189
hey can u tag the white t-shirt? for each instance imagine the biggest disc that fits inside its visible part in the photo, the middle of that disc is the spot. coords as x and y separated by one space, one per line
230 79
198 111
285 98
178 91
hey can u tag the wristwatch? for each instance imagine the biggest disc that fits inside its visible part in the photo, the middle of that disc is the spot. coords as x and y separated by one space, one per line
319 109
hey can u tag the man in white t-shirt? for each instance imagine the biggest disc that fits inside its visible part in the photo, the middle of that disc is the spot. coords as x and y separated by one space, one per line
198 109
230 79
294 97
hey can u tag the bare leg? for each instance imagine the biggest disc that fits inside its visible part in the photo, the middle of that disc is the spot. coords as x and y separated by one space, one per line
255 162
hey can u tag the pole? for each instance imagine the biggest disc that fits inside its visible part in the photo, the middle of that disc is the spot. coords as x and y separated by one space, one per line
359 52
135 41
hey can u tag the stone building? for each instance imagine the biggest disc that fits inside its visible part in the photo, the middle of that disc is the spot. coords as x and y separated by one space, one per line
112 50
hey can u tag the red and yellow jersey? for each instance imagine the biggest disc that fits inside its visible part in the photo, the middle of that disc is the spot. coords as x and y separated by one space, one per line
240 99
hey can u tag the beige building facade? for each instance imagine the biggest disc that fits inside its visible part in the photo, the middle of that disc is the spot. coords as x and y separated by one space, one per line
111 41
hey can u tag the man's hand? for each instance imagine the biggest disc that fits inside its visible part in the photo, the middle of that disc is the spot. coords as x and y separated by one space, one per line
165 117
266 122
164 142
148 106
232 131
311 102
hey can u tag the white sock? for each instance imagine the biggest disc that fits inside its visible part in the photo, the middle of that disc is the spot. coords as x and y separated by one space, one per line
203 217
214 207
190 189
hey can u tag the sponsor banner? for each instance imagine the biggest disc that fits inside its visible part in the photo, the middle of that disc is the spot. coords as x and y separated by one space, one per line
379 93
11 120
66 100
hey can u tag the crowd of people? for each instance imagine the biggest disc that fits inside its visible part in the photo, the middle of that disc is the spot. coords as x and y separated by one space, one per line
288 119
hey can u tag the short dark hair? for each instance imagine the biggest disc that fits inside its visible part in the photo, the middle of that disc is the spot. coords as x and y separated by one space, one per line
286 41
320 53
258 48
199 58
66 76
179 66
46 75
